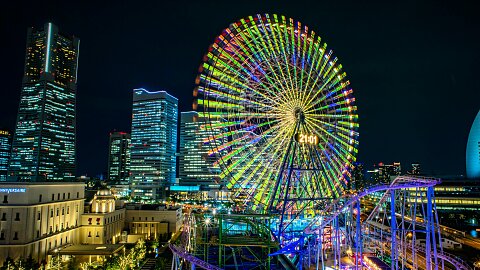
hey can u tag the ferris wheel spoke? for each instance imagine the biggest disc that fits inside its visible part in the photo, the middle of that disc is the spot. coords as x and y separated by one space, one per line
281 44
232 153
230 80
248 179
304 62
337 83
321 76
314 60
337 126
248 74
259 56
332 165
242 115
220 134
341 152
340 139
278 152
275 55
228 97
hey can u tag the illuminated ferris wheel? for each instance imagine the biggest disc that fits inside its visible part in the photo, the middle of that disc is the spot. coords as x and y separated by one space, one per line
280 114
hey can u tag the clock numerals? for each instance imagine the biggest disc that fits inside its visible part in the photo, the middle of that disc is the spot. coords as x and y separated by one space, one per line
307 138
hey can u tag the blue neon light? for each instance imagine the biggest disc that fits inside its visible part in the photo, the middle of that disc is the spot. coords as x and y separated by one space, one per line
150 92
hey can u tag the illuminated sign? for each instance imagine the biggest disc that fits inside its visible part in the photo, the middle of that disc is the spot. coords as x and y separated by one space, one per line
184 188
307 138
13 190
4 132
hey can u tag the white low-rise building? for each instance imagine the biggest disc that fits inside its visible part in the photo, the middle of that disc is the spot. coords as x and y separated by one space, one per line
43 218
38 217
153 221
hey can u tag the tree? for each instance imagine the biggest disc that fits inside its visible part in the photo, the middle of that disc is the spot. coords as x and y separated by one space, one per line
139 250
161 263
31 264
8 264
55 263
125 261
85 265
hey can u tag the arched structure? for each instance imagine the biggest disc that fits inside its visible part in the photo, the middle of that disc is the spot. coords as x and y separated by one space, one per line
473 149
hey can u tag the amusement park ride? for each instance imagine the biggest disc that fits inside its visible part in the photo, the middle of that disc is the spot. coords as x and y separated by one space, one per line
282 123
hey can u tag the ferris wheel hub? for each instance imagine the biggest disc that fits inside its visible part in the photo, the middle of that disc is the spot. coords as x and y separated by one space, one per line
299 115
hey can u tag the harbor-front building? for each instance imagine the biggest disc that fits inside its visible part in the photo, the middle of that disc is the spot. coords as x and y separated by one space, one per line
36 218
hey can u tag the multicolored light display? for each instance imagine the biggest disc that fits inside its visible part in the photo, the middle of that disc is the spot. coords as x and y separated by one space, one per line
258 76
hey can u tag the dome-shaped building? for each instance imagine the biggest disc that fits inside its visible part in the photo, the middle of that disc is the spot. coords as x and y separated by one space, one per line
473 150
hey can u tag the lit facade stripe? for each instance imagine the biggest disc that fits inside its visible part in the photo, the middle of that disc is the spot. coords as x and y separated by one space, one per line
49 38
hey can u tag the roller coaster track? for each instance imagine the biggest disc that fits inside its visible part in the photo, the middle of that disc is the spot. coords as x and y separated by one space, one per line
337 208
180 252
344 202
458 263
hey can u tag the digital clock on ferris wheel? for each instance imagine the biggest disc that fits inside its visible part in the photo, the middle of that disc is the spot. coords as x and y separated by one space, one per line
307 138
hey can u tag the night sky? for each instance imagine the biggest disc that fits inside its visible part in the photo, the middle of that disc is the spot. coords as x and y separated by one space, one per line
414 66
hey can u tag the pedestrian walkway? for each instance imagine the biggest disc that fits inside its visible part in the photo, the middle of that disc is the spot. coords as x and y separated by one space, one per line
149 264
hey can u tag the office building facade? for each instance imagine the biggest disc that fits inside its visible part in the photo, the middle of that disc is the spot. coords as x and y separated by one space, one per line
196 161
153 145
5 148
119 158
43 147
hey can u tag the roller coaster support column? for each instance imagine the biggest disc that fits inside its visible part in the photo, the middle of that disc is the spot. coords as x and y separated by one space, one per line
430 241
320 252
428 247
220 246
393 230
358 240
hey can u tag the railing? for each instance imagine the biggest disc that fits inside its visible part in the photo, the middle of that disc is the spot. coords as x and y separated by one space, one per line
454 260
180 252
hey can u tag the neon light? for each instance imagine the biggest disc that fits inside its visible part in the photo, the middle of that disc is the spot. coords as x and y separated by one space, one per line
155 92
13 190
49 37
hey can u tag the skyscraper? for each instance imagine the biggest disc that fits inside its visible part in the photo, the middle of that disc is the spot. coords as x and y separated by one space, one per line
358 176
119 158
5 148
196 166
154 143
43 146
415 168
473 149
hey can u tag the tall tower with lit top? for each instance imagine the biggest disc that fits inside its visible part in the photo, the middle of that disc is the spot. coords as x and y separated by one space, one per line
43 147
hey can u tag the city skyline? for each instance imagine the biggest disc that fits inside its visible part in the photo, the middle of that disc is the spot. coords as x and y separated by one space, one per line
410 94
